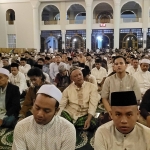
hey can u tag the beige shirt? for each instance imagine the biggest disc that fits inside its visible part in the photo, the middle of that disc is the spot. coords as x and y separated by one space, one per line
58 134
79 101
24 70
107 137
99 74
143 79
114 84
90 63
132 71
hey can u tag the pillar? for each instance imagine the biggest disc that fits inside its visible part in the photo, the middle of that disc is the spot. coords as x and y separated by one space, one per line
144 37
116 23
63 32
89 23
36 31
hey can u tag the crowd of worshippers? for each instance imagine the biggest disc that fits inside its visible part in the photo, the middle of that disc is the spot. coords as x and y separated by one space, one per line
52 94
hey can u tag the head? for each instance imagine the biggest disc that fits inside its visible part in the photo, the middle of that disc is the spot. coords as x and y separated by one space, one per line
23 61
27 54
86 74
14 68
36 76
144 64
98 63
69 60
124 112
62 70
5 61
47 60
76 76
135 63
120 64
40 61
88 57
58 58
75 59
46 104
4 77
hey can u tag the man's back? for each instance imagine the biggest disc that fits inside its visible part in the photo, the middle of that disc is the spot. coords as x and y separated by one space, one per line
58 134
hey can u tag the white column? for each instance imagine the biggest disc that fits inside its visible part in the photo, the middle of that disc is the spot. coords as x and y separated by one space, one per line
89 23
63 32
145 20
36 31
116 23
144 37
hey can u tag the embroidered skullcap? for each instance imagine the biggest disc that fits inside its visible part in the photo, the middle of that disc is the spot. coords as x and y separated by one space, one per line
147 61
50 90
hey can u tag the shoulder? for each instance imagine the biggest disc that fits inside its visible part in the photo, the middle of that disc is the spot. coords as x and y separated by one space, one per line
12 86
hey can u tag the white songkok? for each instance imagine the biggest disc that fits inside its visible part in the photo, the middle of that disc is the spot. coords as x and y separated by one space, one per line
147 61
50 90
4 71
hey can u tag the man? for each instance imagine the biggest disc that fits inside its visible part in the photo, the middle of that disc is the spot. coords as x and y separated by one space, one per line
134 68
89 61
54 67
143 76
123 133
120 81
145 109
1 62
99 72
51 51
6 64
44 130
17 78
9 101
79 101
24 67
29 61
37 79
69 64
81 59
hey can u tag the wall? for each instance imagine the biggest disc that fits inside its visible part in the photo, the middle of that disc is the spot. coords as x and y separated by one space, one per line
23 26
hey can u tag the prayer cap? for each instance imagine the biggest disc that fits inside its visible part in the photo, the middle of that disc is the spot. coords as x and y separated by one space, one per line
50 90
97 60
124 98
147 61
4 71
88 54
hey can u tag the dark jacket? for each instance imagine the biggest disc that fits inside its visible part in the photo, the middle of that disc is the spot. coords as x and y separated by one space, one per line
12 100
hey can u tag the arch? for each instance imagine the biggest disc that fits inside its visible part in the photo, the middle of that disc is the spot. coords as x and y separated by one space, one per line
10 16
103 2
74 4
131 1
55 40
44 7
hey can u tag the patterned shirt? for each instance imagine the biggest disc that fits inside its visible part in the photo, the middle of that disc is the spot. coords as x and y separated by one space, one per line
58 134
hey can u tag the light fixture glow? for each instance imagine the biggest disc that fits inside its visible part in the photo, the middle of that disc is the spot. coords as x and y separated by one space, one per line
99 38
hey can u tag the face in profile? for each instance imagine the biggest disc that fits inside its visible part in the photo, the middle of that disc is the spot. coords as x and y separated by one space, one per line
44 109
125 118
36 81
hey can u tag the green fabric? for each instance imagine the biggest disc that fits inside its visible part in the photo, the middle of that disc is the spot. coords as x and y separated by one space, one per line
80 121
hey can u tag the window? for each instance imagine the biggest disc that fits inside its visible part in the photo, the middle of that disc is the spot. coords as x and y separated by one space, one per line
11 41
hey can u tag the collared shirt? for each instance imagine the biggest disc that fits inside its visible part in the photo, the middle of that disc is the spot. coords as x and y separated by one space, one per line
109 138
79 101
143 79
54 69
115 84
2 102
58 134
19 80
99 73
132 71
24 70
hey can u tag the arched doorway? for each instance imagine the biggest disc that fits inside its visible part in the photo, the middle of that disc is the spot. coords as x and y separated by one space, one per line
50 15
102 41
103 13
130 41
76 14
10 16
131 12
77 42
52 42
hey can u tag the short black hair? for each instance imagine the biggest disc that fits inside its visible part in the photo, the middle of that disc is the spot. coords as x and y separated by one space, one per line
23 59
41 59
14 65
116 57
135 58
27 52
47 58
36 72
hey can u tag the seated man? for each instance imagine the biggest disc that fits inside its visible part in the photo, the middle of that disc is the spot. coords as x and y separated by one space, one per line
45 130
37 79
145 109
79 101
9 101
123 133
17 78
